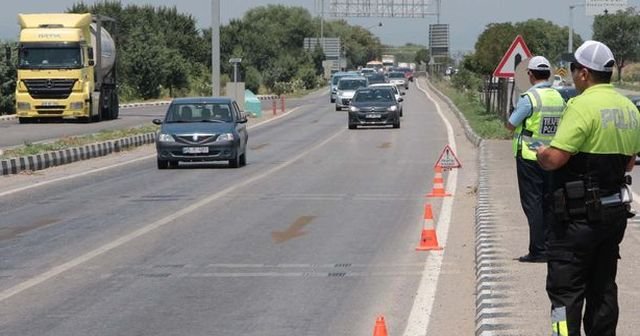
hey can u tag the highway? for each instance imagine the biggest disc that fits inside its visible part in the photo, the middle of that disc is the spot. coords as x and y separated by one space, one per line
316 235
14 134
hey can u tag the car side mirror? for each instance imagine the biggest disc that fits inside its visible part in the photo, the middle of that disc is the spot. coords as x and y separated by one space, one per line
243 117
400 100
157 121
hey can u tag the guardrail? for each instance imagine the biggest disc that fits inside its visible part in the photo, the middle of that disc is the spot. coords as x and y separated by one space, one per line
160 103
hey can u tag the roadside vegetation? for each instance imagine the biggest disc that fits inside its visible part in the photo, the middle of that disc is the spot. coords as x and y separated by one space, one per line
75 141
467 88
170 56
469 101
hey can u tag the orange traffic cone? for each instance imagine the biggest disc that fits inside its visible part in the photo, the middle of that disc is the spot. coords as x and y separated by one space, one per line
428 238
380 328
438 185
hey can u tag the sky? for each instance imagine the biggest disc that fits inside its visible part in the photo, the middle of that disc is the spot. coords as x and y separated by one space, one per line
467 19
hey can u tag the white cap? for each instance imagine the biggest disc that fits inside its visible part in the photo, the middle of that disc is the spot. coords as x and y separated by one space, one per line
595 56
539 63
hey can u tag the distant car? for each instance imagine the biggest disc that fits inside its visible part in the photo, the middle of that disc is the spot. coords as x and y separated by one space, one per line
408 73
347 86
334 84
366 71
567 92
374 106
397 78
557 81
376 78
202 129
396 92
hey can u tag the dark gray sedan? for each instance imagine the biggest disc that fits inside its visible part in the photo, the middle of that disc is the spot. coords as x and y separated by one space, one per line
202 129
374 106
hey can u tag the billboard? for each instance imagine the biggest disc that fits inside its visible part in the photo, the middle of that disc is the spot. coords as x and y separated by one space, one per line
439 39
600 7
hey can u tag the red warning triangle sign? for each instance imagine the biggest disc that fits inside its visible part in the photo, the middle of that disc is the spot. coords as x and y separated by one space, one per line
518 51
448 159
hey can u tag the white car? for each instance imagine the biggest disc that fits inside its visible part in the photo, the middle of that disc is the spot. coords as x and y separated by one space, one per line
397 78
396 92
347 86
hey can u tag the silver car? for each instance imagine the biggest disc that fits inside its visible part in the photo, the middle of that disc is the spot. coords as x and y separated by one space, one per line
347 86
397 78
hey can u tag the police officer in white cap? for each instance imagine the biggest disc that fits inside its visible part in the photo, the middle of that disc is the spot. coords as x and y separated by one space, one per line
596 143
534 120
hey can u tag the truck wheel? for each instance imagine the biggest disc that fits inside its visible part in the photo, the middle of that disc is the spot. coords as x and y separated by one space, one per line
25 120
115 112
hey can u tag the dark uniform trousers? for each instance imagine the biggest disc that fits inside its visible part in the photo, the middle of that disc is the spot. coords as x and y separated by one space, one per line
534 183
583 262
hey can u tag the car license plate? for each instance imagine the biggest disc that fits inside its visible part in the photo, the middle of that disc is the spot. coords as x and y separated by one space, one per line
372 115
195 150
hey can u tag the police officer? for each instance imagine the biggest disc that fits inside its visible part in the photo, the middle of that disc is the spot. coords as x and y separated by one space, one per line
595 145
535 120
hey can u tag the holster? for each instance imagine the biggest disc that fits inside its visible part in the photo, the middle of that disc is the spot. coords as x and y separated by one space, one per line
577 201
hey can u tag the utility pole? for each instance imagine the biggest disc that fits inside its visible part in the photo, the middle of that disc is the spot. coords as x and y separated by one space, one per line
215 47
570 43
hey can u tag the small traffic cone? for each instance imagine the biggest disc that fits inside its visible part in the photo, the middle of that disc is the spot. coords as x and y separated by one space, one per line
428 237
380 328
438 185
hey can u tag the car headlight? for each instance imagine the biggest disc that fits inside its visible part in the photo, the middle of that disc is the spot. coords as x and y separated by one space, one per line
339 93
392 108
225 137
354 109
163 137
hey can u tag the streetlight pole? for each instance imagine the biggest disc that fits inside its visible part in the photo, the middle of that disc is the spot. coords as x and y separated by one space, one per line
215 47
570 43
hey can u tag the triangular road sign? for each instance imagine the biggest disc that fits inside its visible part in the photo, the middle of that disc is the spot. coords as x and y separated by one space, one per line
518 51
448 159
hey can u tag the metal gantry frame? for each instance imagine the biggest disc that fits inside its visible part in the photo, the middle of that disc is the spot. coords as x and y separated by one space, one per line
384 8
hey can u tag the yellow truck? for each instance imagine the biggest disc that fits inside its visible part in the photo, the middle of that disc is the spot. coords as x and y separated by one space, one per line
66 69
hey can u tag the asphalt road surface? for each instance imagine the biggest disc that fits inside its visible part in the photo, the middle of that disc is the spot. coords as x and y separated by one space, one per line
315 236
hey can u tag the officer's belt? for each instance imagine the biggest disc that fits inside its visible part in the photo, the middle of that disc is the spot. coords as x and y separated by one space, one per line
622 197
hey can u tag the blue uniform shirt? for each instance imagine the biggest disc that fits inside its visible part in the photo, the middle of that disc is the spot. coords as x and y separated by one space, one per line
523 107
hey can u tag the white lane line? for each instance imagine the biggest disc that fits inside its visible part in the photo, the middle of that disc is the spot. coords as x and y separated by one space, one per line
97 170
54 271
421 311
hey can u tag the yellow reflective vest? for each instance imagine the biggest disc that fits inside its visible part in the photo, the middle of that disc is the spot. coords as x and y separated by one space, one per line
546 109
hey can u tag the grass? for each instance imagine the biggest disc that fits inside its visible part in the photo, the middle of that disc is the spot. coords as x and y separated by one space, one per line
75 141
486 125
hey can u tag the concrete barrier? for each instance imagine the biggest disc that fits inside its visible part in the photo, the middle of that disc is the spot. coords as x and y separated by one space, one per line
65 156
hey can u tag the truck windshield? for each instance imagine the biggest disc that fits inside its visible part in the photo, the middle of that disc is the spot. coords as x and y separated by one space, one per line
50 58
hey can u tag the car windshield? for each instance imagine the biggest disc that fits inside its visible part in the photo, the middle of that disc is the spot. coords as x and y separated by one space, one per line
199 112
377 78
396 75
373 95
351 84
336 79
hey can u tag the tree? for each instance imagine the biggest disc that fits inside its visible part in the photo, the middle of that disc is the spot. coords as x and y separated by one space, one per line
542 37
7 77
142 60
621 33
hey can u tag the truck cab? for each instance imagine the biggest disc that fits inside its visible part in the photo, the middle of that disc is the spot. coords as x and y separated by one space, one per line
65 69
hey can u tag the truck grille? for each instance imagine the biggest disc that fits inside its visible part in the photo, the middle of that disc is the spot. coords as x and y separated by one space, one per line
49 88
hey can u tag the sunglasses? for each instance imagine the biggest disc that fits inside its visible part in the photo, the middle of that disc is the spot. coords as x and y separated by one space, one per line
575 66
